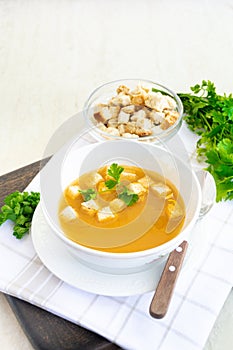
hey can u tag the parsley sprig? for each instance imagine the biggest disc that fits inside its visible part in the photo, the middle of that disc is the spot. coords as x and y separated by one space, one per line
19 208
210 116
128 196
115 172
88 194
123 192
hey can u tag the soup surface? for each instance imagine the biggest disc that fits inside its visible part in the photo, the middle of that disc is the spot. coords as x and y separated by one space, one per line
121 208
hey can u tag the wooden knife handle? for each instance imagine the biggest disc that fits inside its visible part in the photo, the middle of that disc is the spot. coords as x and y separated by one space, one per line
162 297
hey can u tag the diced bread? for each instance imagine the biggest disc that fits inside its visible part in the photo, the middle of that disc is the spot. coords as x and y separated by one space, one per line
105 214
117 205
69 214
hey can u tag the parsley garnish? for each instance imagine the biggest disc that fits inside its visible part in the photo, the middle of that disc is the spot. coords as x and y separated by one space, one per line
19 208
128 197
88 194
211 117
114 171
123 192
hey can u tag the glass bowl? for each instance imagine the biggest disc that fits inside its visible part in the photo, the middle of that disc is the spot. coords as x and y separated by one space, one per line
104 93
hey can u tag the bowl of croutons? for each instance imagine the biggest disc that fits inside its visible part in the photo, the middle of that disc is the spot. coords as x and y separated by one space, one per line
134 109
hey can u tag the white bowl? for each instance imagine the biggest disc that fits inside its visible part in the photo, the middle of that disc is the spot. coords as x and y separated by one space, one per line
148 156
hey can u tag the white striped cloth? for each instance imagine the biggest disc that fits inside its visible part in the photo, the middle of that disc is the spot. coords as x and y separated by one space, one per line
199 295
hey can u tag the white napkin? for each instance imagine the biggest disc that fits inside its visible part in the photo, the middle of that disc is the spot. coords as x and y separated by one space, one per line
199 295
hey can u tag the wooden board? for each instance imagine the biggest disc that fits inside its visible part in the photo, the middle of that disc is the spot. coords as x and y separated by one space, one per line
45 330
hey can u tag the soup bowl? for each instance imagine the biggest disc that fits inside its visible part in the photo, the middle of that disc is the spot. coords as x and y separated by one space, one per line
77 161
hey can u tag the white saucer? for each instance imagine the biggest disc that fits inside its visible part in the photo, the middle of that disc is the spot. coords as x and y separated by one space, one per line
57 258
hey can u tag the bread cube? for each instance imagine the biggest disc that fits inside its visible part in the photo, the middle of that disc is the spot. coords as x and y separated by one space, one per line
106 193
117 205
105 214
128 109
123 117
128 176
73 191
69 214
123 89
141 114
102 113
90 180
161 190
127 135
174 210
120 100
136 188
146 181
114 111
113 131
90 207
157 117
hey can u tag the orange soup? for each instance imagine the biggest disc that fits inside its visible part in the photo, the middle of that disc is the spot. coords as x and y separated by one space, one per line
121 209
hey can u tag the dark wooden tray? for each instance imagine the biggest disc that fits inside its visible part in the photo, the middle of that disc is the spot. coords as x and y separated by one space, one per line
45 330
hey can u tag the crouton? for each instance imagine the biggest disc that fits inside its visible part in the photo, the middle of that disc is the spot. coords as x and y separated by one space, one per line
142 131
117 205
89 207
121 128
152 99
113 122
136 188
113 131
174 210
114 111
73 191
123 89
126 176
171 102
90 180
102 114
137 99
130 136
165 124
146 181
123 117
139 115
69 214
160 189
105 214
120 100
128 109
106 193
157 117
101 126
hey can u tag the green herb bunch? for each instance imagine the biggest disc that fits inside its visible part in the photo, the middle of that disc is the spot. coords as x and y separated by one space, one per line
210 116
19 207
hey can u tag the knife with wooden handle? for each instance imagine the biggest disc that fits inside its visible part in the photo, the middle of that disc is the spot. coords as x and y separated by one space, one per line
162 297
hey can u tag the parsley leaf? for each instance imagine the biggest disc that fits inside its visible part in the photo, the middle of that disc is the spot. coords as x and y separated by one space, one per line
19 208
210 116
114 171
111 184
128 197
88 194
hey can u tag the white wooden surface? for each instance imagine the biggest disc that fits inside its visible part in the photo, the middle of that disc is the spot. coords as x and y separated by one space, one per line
53 53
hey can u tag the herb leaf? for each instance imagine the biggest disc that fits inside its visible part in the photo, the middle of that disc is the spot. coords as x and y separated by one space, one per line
111 184
128 197
88 194
114 171
19 208
210 115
